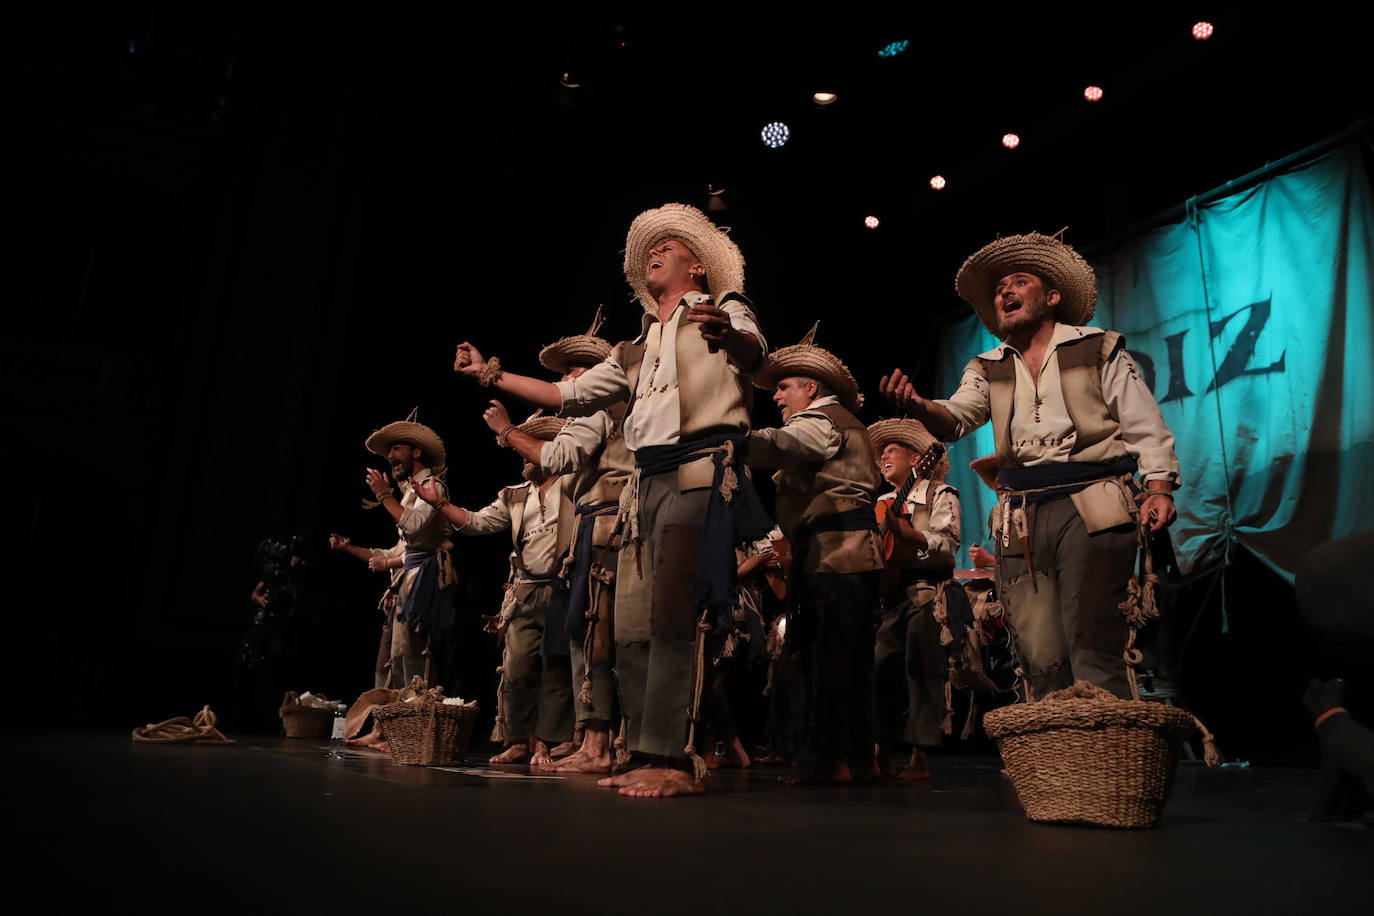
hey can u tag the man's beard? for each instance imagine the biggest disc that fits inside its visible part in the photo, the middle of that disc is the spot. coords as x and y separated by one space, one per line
402 470
1028 317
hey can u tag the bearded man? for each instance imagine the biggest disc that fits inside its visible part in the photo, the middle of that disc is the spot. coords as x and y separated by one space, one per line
1074 424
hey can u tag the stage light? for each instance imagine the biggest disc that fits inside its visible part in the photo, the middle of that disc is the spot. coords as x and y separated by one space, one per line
568 82
1093 93
895 48
937 182
823 98
1202 30
1011 141
717 202
775 135
871 222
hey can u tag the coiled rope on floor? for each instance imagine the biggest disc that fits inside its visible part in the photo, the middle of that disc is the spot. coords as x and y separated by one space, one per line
181 730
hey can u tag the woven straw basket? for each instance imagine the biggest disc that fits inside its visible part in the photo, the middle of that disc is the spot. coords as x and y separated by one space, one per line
1083 756
300 721
425 731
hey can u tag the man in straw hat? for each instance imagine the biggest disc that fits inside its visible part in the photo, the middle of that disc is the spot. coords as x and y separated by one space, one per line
826 485
535 695
1074 424
688 502
909 662
591 450
417 637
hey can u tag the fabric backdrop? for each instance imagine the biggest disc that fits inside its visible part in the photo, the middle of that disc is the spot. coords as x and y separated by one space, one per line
1251 320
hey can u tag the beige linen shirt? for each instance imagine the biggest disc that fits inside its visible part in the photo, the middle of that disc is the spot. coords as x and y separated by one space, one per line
538 534
1042 431
656 418
576 445
804 438
942 537
419 527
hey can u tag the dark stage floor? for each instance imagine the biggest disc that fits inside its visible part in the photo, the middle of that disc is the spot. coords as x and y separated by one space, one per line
279 824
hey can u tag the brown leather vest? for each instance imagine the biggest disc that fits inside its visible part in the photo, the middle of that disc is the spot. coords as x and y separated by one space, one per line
847 481
1098 435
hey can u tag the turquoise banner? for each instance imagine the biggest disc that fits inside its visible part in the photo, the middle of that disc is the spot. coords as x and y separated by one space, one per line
1251 320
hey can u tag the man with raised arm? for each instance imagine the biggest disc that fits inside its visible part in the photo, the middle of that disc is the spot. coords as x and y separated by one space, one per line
684 384
1075 425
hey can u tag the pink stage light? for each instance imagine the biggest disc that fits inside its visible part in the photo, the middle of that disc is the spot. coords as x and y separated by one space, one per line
1202 30
937 182
1093 93
1011 141
871 222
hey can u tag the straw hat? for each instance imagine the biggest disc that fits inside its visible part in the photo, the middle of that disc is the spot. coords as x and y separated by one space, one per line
580 350
912 434
417 434
1044 255
542 427
986 469
809 361
713 248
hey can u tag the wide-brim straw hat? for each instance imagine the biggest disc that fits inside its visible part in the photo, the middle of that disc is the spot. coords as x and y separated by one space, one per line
579 350
912 434
807 360
1046 256
713 248
986 469
542 427
418 434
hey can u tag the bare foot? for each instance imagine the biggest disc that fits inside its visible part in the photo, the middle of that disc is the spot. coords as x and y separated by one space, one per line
516 753
539 755
620 780
886 769
821 774
372 741
563 750
915 769
584 761
663 784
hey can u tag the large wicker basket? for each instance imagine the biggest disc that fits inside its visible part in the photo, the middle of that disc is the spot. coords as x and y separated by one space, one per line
1083 756
426 731
302 721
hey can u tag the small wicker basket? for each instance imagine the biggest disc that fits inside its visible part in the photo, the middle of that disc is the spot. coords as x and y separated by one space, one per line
1084 756
425 731
301 721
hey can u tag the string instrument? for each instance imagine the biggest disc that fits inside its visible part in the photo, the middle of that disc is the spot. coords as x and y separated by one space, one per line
896 552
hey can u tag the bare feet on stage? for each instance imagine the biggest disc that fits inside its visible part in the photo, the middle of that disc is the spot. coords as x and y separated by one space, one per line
886 768
539 755
735 757
593 757
372 741
820 774
654 781
560 751
915 769
516 753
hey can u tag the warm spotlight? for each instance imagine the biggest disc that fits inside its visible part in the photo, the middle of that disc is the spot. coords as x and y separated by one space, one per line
937 182
823 98
1202 30
1011 141
1093 93
775 134
568 82
871 222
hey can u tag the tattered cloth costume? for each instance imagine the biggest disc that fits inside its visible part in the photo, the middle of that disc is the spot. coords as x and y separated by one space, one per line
689 500
1069 445
826 484
418 635
592 451
917 642
534 699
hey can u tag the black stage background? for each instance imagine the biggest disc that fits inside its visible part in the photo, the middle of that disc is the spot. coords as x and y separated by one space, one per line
243 236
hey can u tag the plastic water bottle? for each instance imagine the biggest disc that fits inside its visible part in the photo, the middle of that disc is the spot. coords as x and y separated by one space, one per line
340 717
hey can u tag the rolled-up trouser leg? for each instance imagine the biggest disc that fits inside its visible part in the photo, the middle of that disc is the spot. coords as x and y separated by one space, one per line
521 670
926 673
